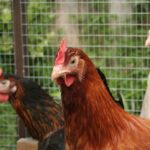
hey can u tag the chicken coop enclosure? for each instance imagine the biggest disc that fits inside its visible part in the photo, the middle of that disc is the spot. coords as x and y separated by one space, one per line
111 32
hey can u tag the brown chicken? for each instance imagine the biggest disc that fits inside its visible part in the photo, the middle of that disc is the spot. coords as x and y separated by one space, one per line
93 121
39 112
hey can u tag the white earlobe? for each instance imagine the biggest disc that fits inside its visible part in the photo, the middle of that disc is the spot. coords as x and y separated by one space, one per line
14 89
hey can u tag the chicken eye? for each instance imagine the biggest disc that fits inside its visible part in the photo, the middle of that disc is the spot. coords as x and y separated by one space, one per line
73 61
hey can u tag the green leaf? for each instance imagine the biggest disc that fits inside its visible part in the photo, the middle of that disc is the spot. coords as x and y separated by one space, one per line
6 15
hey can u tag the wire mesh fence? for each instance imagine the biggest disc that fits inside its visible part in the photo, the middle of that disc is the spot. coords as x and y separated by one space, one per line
8 134
112 32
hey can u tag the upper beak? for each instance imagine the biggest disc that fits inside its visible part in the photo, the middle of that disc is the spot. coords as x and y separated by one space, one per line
59 71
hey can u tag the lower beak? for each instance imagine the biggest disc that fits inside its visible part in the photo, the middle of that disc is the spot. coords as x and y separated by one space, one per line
59 71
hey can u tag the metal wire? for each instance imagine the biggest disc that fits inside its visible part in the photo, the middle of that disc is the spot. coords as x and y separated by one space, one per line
8 134
111 32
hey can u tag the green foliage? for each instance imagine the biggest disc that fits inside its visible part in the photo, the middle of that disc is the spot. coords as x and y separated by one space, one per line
38 29
5 27
7 127
123 62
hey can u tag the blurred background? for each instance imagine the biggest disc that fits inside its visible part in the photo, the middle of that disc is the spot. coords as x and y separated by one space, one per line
111 32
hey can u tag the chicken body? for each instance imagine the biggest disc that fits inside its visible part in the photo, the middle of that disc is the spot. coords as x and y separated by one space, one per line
39 112
147 42
145 111
93 121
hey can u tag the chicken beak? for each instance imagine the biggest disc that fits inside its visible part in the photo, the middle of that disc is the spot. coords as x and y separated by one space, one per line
59 71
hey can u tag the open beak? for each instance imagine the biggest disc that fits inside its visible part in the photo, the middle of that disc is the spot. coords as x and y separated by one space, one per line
59 71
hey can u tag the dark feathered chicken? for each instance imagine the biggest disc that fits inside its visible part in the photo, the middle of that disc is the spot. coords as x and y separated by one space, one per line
54 141
93 121
39 112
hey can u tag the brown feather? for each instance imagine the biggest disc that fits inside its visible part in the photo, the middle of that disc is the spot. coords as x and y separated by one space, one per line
93 121
40 113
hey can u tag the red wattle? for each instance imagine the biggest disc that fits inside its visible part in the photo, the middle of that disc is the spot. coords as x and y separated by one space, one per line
69 80
4 97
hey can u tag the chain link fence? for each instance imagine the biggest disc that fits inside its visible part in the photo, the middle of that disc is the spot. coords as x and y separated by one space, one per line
112 32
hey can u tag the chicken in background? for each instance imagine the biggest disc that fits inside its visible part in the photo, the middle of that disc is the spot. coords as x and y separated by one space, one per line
145 111
39 112
147 42
93 121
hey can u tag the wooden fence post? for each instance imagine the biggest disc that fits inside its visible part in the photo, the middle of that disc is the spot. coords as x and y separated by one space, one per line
27 144
19 48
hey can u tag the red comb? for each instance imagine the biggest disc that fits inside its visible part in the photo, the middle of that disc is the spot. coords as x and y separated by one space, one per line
60 57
